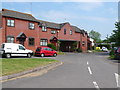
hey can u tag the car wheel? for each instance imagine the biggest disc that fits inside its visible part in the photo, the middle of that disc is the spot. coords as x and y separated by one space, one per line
54 54
29 55
42 55
8 55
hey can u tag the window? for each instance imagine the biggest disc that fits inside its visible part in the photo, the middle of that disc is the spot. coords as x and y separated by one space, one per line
64 31
43 42
21 48
70 32
49 49
31 26
53 31
10 23
31 41
83 43
10 39
44 28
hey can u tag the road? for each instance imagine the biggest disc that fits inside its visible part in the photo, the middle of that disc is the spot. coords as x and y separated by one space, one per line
80 70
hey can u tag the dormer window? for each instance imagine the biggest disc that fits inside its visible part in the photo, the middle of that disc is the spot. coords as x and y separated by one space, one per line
44 29
10 23
31 26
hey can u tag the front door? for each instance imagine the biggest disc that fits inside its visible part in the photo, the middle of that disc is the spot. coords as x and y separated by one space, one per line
21 41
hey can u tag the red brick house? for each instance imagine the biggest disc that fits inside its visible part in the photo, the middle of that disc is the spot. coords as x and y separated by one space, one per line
23 28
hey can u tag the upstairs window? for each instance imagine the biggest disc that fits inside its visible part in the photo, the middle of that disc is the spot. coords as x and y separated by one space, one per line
10 23
31 26
44 29
53 31
31 41
64 31
70 32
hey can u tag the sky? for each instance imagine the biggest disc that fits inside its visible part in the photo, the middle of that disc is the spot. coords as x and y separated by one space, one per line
98 16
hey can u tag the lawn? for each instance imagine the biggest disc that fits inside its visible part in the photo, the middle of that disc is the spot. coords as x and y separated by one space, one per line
11 66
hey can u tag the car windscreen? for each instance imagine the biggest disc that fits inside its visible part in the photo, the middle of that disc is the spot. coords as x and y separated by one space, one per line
38 49
3 45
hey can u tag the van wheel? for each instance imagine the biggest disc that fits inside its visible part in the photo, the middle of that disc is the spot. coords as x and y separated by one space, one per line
29 55
42 55
8 55
54 54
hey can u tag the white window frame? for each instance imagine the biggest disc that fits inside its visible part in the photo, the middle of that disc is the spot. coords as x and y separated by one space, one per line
10 22
31 26
53 31
43 42
10 39
44 28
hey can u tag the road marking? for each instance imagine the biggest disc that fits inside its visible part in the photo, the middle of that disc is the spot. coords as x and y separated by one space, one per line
89 70
117 77
96 85
87 63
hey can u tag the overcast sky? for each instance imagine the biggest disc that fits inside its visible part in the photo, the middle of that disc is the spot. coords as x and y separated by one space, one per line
99 16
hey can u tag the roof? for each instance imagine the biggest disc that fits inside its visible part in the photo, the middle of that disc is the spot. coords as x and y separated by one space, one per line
49 24
21 35
78 30
19 15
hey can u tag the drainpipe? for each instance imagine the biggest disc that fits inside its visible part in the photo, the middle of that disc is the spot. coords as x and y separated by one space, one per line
5 29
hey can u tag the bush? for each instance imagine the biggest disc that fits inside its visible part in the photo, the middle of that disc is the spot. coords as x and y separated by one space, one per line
52 46
78 50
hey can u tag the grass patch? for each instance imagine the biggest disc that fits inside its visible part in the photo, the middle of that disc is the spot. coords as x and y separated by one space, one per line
60 53
11 66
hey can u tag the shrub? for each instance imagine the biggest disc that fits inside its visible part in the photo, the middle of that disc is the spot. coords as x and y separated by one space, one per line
78 50
52 46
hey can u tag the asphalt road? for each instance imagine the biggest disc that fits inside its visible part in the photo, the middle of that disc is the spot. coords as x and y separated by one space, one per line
80 70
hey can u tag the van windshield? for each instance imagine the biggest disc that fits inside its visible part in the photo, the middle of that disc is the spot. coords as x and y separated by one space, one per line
38 49
3 45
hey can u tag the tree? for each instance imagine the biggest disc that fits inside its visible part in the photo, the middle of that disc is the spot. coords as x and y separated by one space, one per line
115 37
95 35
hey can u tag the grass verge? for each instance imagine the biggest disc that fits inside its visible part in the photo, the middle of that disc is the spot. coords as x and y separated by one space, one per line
60 53
11 66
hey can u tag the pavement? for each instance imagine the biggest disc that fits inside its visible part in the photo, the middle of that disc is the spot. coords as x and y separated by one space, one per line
80 70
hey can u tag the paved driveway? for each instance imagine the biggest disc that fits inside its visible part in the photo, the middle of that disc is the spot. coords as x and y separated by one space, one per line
80 70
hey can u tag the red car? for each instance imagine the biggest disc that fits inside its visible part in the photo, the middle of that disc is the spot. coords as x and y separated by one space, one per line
45 51
117 53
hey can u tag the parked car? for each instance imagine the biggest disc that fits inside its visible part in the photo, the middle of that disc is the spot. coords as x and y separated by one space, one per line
104 49
117 53
13 49
45 51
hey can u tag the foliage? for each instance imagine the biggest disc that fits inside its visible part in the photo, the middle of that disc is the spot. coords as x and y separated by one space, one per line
115 37
78 50
74 46
52 46
95 35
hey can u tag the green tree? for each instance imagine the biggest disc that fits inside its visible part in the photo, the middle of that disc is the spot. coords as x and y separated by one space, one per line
115 37
95 35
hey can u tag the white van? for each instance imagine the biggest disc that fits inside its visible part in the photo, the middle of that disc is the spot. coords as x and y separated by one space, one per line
13 49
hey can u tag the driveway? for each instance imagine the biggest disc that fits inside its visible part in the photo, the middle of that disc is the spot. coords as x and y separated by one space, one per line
80 70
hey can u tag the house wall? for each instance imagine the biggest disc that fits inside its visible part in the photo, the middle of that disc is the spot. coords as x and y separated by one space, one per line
37 33
20 26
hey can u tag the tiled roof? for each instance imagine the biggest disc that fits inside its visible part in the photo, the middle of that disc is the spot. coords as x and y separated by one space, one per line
19 15
49 24
77 30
